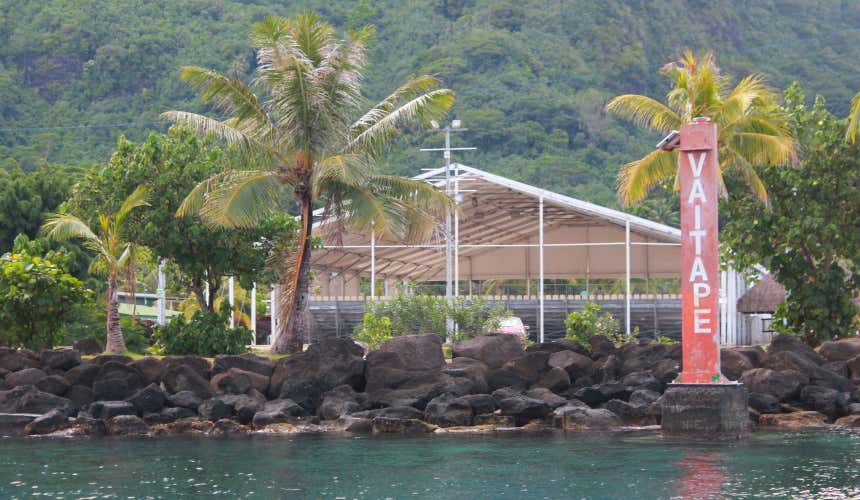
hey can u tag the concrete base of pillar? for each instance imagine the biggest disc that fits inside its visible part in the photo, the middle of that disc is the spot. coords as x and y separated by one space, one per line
706 411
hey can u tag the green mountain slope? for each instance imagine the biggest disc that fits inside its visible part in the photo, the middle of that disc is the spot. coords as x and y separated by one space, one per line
531 76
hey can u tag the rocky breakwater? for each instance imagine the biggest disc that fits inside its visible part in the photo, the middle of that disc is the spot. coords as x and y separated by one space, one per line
407 387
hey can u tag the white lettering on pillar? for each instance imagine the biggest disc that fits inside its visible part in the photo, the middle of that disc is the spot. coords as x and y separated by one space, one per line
700 323
698 270
697 192
698 274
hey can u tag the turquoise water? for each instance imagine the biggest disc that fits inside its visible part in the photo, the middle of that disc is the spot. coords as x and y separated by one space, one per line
630 466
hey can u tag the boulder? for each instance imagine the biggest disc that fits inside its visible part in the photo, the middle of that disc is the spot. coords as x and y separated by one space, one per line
480 403
168 415
666 370
60 359
754 354
575 364
524 408
495 420
783 342
825 400
733 364
245 406
391 412
853 365
795 420
185 399
278 411
215 409
556 380
50 422
417 352
151 369
571 406
838 367
126 425
84 374
149 399
630 414
329 363
783 385
199 364
643 397
305 393
506 377
505 392
102 359
53 384
28 399
340 401
642 380
27 376
530 366
107 409
644 357
840 350
112 389
764 403
547 396
80 396
87 346
468 369
184 427
14 360
492 350
601 347
608 369
114 370
227 428
448 411
233 381
246 362
179 378
14 424
849 421
355 425
402 426
601 393
788 360
581 419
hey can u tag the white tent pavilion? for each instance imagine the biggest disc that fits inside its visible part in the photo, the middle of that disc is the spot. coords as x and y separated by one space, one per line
506 230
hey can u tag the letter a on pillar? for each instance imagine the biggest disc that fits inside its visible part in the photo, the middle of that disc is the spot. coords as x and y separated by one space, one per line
699 254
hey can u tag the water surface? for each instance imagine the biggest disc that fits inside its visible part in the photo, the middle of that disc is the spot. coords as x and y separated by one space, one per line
630 466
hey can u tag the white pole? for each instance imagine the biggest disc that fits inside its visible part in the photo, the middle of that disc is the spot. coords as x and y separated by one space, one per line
273 311
254 313
627 280
162 296
372 262
540 260
456 234
230 301
449 323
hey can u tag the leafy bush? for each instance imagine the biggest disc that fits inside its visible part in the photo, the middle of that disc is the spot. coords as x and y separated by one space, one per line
413 314
37 298
582 325
203 335
664 340
373 331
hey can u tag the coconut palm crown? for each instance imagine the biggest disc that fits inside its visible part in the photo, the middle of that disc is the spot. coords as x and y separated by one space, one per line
751 129
113 253
300 129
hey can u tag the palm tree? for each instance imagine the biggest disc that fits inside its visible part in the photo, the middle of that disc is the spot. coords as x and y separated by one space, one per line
112 252
853 119
751 129
300 134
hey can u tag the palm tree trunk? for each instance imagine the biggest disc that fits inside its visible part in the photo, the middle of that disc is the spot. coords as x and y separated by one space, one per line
295 293
115 342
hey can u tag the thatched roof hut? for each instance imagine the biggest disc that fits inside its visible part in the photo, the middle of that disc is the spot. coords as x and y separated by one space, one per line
763 297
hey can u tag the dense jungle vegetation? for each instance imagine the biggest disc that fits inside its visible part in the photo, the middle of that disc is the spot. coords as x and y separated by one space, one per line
532 77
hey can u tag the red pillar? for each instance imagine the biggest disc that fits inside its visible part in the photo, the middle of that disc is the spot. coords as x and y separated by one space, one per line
700 272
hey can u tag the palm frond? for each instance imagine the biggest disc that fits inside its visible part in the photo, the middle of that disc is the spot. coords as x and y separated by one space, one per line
750 176
65 227
853 119
637 177
243 199
226 131
751 90
645 112
228 94
761 148
136 199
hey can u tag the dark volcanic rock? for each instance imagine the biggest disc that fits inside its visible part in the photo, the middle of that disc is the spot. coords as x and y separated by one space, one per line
824 400
80 396
245 362
151 369
630 414
306 393
784 342
126 425
106 409
112 389
60 359
575 364
667 370
403 426
764 403
197 363
853 365
53 384
84 374
113 370
601 393
529 367
645 357
27 376
480 403
233 381
841 350
547 396
492 350
838 367
278 411
643 397
787 360
50 422
28 399
642 380
556 380
227 428
733 364
15 360
448 411
87 346
580 419
391 412
417 352
148 399
179 378
167 415
506 377
215 409
755 354
783 385
524 408
608 369
102 359
340 401
185 399
601 347
329 363
468 375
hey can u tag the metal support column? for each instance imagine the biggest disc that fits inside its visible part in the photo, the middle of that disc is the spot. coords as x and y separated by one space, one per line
254 313
273 311
627 278
162 296
231 301
540 261
372 262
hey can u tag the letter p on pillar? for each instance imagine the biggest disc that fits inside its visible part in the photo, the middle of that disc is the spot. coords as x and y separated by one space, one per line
700 291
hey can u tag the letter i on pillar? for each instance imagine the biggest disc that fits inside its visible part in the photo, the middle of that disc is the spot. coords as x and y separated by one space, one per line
699 253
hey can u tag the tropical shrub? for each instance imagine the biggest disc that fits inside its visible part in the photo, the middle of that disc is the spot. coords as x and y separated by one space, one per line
582 325
373 331
202 335
37 298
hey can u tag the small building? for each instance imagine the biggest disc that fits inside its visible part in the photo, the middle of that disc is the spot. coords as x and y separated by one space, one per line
756 308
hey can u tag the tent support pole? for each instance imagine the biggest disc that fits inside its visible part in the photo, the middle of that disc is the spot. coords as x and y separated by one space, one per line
627 277
540 260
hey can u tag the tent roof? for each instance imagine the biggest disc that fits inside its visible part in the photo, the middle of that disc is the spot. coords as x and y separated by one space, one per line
499 230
